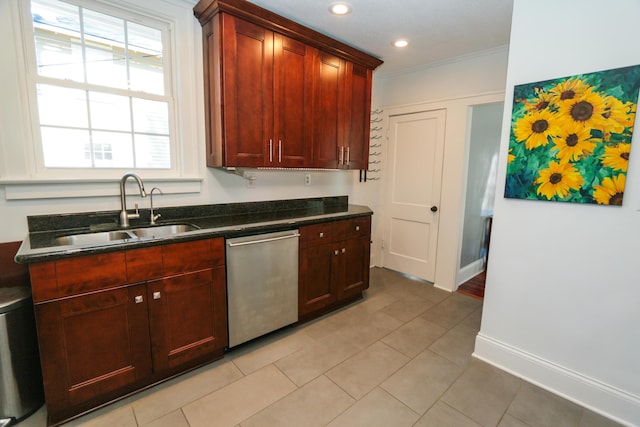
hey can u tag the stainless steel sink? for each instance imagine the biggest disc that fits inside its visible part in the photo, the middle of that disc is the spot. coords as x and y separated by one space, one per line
163 230
92 239
110 237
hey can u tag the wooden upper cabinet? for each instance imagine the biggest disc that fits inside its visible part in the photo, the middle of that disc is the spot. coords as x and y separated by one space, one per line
357 117
247 92
278 94
266 93
328 111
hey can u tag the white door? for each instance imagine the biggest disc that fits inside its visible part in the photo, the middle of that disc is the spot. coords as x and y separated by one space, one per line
416 147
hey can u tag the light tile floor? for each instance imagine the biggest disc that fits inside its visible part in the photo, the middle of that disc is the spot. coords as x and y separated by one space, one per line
400 357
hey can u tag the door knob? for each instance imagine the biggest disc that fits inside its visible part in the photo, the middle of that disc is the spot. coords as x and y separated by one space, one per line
434 209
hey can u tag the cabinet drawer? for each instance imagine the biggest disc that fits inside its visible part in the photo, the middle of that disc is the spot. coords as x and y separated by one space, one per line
316 234
73 276
353 228
191 256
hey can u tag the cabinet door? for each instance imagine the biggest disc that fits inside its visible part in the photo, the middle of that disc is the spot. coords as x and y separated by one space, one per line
247 85
187 314
328 103
357 117
355 269
318 278
293 73
93 344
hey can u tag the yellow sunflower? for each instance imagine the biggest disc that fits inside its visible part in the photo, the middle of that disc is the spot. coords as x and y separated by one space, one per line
558 179
618 115
611 191
569 89
540 102
573 142
536 128
617 157
510 157
586 110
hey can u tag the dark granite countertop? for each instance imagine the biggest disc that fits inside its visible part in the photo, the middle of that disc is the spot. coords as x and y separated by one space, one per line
222 220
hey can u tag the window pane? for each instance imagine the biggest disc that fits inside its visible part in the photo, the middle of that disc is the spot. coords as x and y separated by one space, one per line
112 150
104 30
60 59
146 76
142 38
109 111
61 106
152 152
65 147
55 16
150 116
106 68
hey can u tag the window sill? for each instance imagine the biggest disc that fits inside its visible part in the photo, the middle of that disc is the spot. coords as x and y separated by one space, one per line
62 189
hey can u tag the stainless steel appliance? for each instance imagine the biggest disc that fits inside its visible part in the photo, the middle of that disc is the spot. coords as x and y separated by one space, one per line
262 284
21 390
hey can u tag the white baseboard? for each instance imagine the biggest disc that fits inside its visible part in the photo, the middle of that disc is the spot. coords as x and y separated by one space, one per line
613 403
470 271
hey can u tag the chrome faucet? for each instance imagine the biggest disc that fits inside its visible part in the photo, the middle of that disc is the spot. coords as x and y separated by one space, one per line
124 216
153 218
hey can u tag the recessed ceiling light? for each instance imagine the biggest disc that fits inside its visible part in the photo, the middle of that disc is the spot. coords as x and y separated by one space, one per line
340 8
401 43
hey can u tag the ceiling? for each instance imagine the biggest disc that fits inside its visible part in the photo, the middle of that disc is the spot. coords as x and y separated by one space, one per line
437 30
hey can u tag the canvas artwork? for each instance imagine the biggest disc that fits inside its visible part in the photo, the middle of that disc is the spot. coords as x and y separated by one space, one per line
571 137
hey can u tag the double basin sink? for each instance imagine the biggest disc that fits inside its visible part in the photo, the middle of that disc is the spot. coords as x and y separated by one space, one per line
106 237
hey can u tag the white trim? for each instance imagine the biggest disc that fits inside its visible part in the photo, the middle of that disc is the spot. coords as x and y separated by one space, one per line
48 189
588 392
470 271
18 161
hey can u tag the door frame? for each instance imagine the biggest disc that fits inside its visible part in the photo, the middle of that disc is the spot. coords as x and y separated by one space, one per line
453 177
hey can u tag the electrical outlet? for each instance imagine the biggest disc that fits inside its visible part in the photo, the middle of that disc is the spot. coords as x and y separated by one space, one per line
307 179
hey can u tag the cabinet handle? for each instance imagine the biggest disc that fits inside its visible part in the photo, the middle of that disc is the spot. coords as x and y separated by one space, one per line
341 161
279 151
156 295
270 150
321 234
348 151
336 252
344 250
139 299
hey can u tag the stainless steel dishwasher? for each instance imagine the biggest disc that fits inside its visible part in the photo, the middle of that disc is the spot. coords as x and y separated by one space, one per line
262 284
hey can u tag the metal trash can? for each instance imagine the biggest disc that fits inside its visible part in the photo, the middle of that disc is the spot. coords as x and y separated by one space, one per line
21 390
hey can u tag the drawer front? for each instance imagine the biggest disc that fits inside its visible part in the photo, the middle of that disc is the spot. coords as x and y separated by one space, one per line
353 228
190 256
317 234
90 273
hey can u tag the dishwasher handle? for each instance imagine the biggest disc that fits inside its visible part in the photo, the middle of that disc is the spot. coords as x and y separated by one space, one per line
253 242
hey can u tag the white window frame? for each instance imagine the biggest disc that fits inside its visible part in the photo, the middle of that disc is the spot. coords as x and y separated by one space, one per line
22 171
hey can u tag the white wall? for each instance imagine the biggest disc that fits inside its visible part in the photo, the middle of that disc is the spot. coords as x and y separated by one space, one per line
562 300
455 86
218 186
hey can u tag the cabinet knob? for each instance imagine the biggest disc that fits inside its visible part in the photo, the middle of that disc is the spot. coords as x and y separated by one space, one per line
336 252
344 250
138 299
321 234
357 228
156 295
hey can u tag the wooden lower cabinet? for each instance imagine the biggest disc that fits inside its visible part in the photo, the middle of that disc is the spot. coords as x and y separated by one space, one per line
334 265
97 346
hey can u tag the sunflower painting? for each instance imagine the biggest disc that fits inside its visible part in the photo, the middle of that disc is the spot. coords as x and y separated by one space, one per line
571 137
